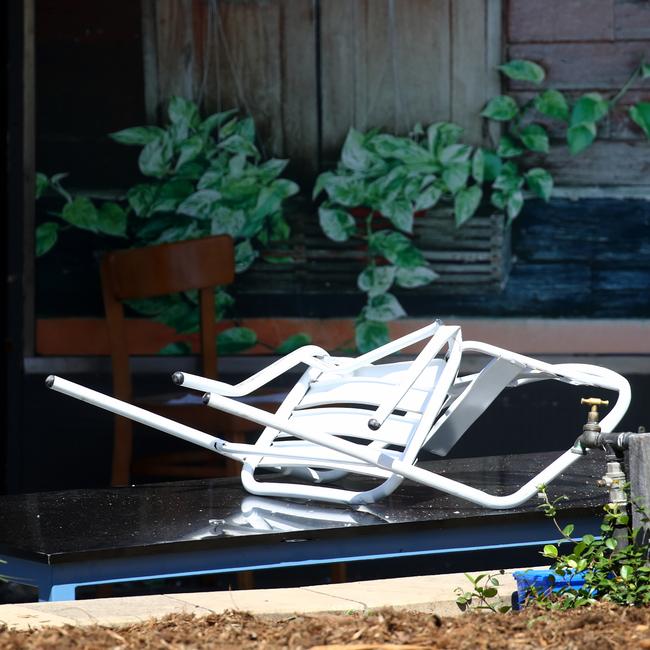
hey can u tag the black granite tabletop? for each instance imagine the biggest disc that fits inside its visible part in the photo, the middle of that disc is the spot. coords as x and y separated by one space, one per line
212 513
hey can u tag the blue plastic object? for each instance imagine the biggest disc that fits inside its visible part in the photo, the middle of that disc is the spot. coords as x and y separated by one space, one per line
543 582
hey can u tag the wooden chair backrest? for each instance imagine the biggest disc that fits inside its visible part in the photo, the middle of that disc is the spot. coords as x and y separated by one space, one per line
154 271
170 268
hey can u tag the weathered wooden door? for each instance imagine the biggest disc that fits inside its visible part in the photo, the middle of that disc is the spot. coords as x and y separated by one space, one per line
307 70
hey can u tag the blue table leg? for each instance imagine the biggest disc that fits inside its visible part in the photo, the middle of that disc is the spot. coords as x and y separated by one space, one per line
53 593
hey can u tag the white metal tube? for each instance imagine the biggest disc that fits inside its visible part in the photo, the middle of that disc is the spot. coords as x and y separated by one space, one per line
586 374
133 412
310 355
525 492
418 366
391 348
385 461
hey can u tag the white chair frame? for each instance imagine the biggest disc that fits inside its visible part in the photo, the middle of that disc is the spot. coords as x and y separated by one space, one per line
391 412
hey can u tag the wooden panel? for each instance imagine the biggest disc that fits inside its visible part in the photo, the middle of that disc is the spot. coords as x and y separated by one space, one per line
87 336
631 19
468 53
474 79
601 232
495 53
245 75
472 259
337 72
259 57
169 268
299 86
422 34
383 64
615 290
585 65
604 163
174 50
150 60
560 20
264 63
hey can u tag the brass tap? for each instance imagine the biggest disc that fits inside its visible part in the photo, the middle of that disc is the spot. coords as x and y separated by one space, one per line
593 416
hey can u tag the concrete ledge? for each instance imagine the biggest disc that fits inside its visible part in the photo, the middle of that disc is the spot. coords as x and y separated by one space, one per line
422 593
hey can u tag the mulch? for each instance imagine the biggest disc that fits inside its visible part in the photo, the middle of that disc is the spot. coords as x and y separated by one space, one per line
598 627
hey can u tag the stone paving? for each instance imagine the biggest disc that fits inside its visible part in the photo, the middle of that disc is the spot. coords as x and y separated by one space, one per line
425 593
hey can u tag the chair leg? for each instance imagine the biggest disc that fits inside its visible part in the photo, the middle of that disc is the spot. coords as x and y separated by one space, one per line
339 572
245 580
232 466
122 451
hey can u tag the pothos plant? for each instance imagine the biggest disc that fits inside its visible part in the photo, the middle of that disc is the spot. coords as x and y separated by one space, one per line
525 128
201 177
383 181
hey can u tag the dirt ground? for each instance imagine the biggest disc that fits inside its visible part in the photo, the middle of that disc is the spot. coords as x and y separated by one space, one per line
595 628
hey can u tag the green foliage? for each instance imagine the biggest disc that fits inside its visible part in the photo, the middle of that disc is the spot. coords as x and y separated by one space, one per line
383 181
370 334
523 132
502 109
540 182
483 595
522 70
47 235
552 103
640 113
201 177
293 342
78 212
614 565
235 339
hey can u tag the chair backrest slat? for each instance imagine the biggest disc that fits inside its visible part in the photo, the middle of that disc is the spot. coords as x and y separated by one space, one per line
353 423
170 268
373 387
359 391
469 406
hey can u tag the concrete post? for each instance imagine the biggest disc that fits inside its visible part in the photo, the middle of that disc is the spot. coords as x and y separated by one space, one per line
639 463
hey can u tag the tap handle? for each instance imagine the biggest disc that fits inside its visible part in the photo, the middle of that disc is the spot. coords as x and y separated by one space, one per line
594 401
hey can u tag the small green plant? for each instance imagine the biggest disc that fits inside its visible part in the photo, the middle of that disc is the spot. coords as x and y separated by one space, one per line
614 565
200 177
382 182
484 593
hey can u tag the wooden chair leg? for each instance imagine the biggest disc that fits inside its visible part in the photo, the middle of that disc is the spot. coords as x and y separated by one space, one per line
122 451
245 580
339 572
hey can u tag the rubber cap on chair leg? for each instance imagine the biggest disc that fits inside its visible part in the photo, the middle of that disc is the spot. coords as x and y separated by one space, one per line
49 381
206 398
178 378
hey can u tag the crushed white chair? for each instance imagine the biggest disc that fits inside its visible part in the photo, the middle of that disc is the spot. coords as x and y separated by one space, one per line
356 416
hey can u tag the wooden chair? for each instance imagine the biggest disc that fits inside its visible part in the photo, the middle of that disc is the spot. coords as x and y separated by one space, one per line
199 264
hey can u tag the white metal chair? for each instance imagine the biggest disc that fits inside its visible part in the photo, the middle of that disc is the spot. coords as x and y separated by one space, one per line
360 417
